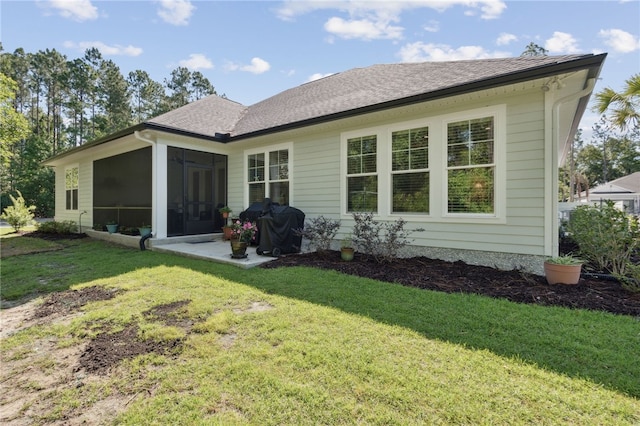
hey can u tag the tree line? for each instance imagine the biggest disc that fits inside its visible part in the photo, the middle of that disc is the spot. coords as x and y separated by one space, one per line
50 103
67 102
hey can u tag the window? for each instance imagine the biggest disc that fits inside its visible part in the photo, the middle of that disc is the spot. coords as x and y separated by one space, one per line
471 166
450 168
269 180
362 178
71 188
410 171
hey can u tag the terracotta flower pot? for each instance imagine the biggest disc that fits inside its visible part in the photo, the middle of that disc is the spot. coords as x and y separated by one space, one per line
346 253
226 232
562 274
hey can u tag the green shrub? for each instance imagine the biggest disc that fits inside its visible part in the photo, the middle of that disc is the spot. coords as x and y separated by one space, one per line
381 240
64 227
19 214
605 235
631 281
320 231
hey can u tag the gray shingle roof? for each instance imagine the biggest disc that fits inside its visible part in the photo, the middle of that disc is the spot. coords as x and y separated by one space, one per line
206 116
361 89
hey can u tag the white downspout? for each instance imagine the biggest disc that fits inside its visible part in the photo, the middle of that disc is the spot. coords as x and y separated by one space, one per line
556 107
555 135
139 136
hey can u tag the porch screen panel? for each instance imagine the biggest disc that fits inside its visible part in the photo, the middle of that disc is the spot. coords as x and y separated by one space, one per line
122 188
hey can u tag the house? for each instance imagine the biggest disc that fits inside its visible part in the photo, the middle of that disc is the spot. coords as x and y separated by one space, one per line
624 192
466 150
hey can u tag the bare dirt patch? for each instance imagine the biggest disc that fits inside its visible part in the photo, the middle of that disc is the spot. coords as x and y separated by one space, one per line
34 373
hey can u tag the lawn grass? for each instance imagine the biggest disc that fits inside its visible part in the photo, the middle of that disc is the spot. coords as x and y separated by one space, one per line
327 348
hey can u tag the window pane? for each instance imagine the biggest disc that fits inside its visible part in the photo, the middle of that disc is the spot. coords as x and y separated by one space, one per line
400 141
400 160
419 159
354 165
279 193
481 129
361 155
369 163
411 192
471 190
470 142
68 200
256 192
279 165
362 194
420 138
256 168
74 199
409 149
481 153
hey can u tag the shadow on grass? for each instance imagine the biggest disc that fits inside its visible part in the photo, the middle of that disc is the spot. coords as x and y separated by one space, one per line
595 346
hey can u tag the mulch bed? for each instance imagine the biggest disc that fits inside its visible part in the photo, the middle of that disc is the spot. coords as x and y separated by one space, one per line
595 293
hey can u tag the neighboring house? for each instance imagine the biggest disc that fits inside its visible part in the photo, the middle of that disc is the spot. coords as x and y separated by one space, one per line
467 150
624 192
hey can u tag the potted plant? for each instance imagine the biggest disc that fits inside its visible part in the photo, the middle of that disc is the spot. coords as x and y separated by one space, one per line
225 211
144 229
112 227
563 269
346 248
241 235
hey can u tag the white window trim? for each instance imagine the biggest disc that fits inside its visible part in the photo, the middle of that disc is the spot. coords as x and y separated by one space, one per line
266 150
499 114
66 169
437 167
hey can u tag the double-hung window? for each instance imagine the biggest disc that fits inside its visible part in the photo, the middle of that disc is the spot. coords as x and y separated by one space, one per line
410 171
362 177
71 188
471 166
268 176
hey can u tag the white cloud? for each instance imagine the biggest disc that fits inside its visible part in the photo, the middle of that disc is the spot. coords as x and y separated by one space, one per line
420 52
505 38
78 10
176 12
432 26
258 66
561 43
106 50
370 20
318 76
362 29
196 61
619 40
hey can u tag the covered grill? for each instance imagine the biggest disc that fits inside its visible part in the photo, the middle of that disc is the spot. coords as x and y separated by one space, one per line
276 228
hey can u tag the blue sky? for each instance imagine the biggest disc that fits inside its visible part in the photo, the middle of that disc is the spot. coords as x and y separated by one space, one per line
251 50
